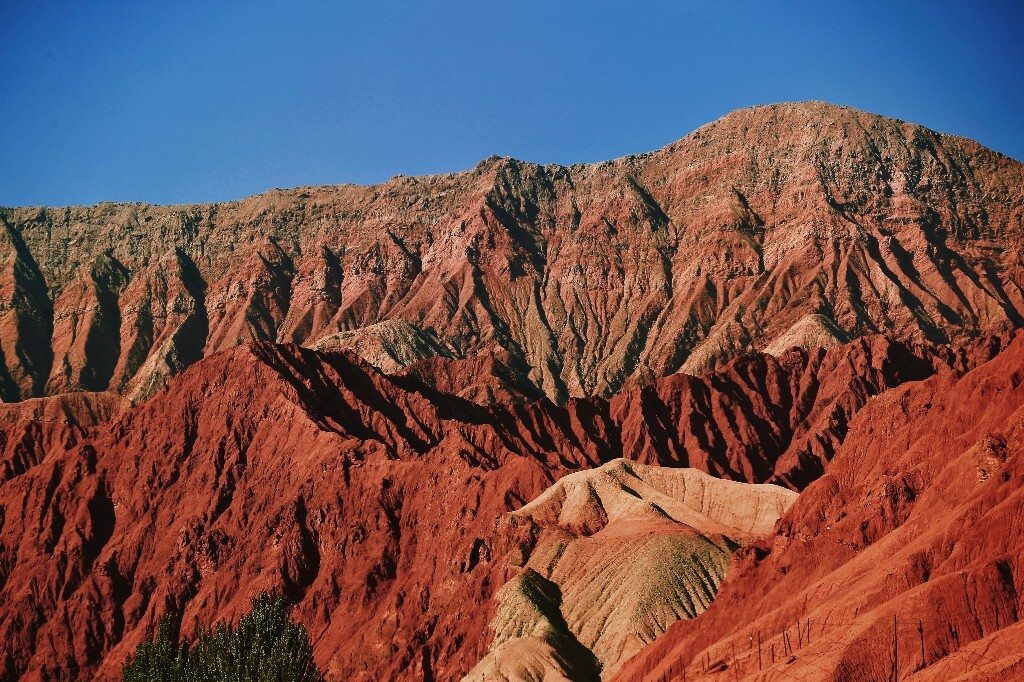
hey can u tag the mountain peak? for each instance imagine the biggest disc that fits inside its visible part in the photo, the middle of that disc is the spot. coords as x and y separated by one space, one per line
589 279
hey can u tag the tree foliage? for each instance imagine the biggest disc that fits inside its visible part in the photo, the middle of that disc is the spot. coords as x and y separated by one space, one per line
265 646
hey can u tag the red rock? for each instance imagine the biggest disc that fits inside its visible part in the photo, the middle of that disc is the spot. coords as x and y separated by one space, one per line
26 319
367 499
483 378
536 320
917 519
77 409
32 428
788 224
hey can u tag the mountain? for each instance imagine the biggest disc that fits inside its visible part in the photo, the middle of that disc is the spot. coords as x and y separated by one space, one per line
793 224
905 557
375 502
747 406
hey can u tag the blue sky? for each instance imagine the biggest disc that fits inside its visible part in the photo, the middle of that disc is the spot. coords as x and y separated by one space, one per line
185 101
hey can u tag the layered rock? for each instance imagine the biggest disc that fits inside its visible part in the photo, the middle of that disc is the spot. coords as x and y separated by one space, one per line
611 557
902 562
536 321
793 224
371 501
32 428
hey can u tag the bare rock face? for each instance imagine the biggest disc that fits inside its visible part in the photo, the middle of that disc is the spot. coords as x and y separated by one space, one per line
791 224
780 420
81 409
32 428
164 326
374 502
86 334
484 378
810 331
614 555
903 558
532 641
390 346
453 417
263 467
26 320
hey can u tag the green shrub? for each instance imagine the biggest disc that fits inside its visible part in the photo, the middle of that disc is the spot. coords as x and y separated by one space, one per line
265 646
161 660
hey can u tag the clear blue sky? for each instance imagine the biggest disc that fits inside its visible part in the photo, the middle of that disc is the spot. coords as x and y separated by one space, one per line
181 101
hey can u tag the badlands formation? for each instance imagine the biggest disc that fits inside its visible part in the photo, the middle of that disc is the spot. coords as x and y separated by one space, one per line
748 406
794 224
619 552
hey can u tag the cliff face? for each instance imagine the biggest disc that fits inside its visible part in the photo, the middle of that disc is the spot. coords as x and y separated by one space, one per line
795 224
371 501
905 557
457 419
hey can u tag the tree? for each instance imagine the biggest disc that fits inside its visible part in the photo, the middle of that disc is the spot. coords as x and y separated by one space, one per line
265 646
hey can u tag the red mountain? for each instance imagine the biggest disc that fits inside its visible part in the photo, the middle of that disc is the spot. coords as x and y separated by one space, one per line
792 224
371 501
448 416
905 556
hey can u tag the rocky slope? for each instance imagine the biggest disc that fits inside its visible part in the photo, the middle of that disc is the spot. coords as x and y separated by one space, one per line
372 501
448 416
610 558
903 561
792 224
32 428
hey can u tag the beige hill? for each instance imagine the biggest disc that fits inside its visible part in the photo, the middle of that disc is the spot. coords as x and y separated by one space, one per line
618 554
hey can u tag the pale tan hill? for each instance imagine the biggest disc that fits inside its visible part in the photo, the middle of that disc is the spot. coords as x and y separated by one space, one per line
810 331
618 554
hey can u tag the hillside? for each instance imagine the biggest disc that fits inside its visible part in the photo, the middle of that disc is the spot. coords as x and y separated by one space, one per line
790 224
614 421
365 498
906 555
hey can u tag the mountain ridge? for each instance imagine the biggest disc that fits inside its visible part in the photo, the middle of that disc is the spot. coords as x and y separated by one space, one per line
284 468
456 419
589 278
911 540
500 157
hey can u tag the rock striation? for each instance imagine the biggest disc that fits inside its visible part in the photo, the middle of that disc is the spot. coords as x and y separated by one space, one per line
374 501
604 421
610 558
902 561
793 224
